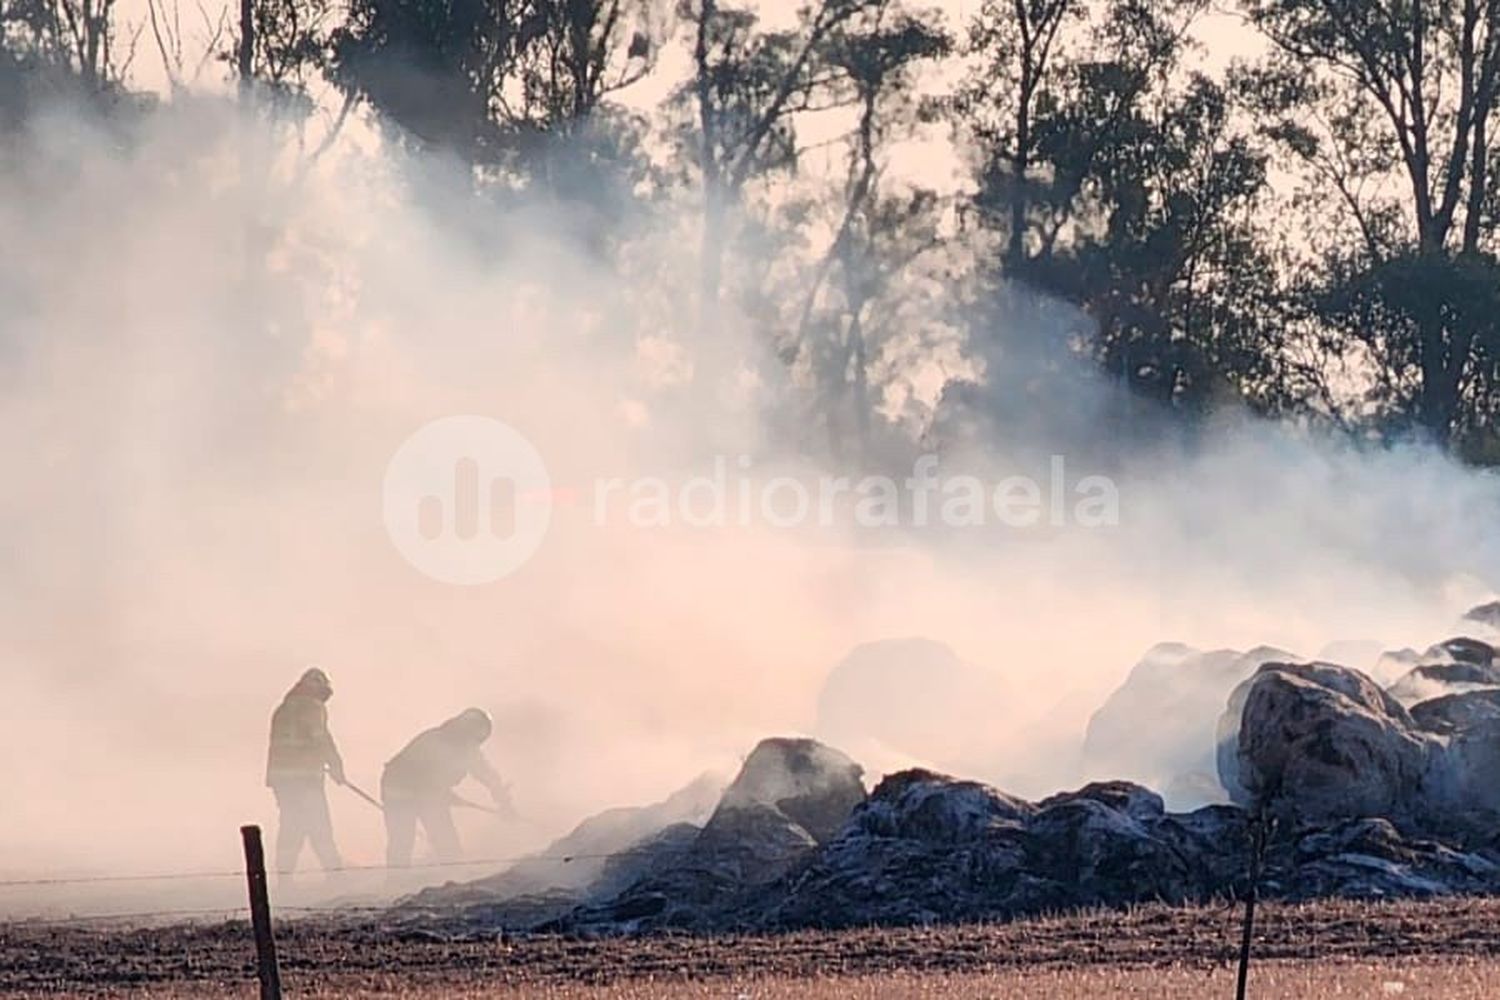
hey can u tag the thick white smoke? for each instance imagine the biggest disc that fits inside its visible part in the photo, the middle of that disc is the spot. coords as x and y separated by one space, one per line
209 354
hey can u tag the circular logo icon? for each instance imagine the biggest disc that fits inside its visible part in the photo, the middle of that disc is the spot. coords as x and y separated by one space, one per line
467 500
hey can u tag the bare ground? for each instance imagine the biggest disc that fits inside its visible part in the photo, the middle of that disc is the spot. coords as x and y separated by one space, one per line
1427 949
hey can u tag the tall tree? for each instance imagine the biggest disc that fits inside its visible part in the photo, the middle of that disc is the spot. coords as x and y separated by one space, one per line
1388 108
76 44
290 43
880 228
747 86
1017 44
1118 182
486 79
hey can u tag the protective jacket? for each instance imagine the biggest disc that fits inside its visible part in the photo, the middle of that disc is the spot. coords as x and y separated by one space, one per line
438 759
301 745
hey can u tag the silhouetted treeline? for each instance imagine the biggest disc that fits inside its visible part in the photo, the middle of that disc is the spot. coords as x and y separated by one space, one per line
1304 226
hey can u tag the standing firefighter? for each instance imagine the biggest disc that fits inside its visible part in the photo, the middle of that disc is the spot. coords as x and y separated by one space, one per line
418 783
302 751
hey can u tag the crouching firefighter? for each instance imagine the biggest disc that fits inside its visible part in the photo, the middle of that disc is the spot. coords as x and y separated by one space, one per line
418 786
302 752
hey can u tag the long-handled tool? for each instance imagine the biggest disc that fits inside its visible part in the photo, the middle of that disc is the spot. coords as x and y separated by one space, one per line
363 794
462 803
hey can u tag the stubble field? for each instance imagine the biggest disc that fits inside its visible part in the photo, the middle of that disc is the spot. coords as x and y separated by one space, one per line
1448 949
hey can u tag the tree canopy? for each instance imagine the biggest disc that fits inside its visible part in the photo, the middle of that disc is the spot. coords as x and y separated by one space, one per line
1307 229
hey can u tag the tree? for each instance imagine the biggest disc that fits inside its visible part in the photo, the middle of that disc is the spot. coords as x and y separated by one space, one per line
291 44
877 233
172 42
489 79
1016 42
1401 308
746 88
67 46
1120 184
1173 274
1388 108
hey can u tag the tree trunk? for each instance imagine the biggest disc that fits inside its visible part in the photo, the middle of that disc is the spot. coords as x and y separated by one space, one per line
1019 163
246 53
1477 180
860 376
1440 377
711 260
711 248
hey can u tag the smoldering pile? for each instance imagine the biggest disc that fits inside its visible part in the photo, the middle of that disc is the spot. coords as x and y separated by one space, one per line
1361 790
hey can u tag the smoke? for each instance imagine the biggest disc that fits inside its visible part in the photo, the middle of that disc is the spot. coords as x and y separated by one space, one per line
211 348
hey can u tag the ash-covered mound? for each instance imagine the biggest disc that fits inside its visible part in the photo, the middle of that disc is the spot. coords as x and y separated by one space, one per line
790 797
662 864
1319 744
1451 713
601 857
1361 797
1482 620
1182 690
925 848
1451 667
1342 765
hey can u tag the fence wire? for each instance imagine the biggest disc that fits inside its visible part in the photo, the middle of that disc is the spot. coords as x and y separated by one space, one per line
562 859
53 881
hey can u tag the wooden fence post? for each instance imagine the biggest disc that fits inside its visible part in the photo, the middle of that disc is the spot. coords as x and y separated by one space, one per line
1247 930
260 914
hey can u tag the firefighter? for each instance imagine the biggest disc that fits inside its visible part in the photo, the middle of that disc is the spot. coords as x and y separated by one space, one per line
418 786
302 752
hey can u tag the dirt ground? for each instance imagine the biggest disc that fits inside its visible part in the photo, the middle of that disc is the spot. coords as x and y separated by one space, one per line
1410 949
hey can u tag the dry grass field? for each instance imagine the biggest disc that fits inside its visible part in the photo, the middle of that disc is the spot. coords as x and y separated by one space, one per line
1442 949
1454 979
